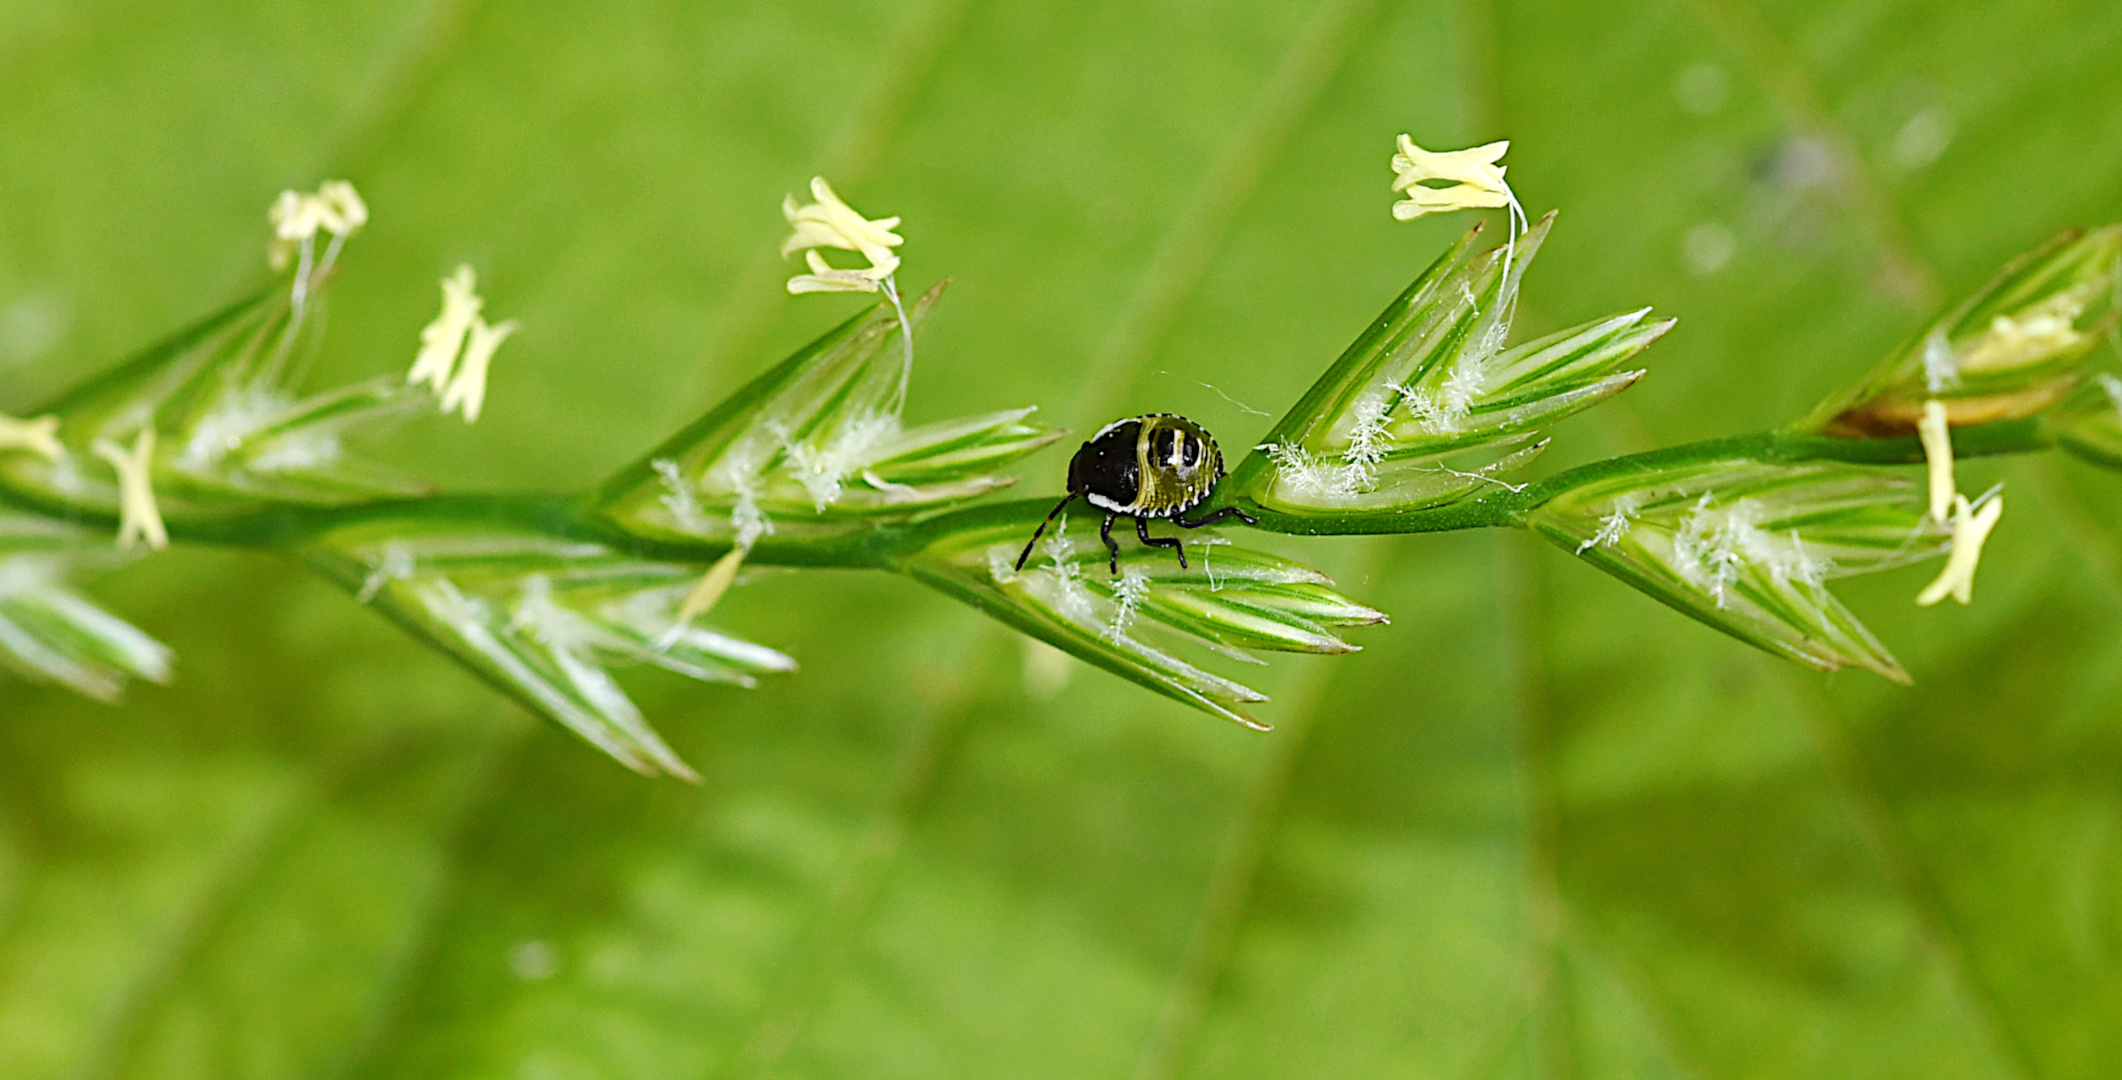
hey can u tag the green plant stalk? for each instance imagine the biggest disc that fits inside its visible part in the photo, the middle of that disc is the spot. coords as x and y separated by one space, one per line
519 587
889 547
1507 507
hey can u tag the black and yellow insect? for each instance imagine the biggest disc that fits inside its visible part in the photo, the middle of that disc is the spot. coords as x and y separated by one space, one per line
1144 467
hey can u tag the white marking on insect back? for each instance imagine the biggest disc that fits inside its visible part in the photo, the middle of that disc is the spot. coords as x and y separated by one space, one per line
1103 503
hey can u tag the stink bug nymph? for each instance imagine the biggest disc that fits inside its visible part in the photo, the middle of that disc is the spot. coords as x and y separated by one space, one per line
1144 467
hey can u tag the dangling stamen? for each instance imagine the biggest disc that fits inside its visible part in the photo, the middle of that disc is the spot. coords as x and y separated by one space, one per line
906 338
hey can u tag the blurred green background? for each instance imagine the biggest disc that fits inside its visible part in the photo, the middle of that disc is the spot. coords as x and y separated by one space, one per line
1541 827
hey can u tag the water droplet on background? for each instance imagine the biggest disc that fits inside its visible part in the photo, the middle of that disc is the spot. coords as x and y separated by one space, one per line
1707 248
534 961
1924 138
1702 89
30 326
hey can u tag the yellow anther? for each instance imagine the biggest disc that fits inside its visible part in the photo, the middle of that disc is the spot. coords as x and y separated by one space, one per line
39 436
831 223
1970 530
138 516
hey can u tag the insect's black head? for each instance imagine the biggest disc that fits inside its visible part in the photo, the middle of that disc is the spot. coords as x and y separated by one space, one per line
1108 468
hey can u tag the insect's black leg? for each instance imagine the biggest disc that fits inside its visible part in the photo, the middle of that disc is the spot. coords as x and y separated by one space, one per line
1172 542
1226 512
1041 530
1105 533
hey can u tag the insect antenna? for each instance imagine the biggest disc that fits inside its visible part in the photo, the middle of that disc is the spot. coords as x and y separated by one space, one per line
1041 530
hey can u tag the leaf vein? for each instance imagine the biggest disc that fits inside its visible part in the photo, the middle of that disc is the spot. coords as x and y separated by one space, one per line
1175 269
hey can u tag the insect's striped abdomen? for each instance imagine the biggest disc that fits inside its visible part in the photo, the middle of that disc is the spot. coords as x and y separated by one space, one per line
1178 463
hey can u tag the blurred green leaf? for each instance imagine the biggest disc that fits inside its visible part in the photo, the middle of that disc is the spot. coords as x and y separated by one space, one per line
1539 827
49 632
